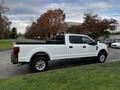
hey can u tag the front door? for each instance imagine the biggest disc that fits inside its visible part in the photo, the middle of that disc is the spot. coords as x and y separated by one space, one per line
78 47
90 50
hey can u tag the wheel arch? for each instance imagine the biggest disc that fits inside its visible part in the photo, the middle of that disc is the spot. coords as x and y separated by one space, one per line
42 54
103 50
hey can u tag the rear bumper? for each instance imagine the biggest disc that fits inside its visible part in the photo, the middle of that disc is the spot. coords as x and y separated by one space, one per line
13 59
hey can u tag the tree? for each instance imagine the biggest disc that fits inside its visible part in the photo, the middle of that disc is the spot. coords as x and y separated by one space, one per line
95 26
74 29
4 22
14 33
52 21
35 31
47 24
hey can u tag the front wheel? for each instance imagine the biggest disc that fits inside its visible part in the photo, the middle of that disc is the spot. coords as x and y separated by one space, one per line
39 64
102 57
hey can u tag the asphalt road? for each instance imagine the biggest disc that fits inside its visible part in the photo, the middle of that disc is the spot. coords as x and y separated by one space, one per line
7 69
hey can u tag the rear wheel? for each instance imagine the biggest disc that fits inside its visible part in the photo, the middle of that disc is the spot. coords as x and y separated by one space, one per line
102 56
39 64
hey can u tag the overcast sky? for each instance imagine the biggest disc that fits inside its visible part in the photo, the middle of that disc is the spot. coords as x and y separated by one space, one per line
23 12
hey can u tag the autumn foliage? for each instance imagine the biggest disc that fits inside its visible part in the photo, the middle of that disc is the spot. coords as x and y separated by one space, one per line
94 26
53 21
47 25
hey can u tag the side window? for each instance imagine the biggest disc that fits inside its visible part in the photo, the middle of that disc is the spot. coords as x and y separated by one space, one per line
86 40
75 39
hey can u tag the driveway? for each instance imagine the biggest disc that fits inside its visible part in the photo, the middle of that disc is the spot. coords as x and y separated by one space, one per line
7 69
114 55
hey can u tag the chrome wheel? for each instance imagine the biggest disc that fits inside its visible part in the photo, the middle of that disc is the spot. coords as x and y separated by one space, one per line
102 57
40 65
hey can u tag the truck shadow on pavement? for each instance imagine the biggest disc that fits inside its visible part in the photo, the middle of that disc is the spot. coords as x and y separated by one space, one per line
8 70
69 63
53 65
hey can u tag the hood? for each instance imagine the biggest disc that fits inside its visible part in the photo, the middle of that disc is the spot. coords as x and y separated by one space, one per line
102 44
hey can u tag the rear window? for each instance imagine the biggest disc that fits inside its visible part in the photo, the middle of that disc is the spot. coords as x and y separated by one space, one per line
60 37
75 39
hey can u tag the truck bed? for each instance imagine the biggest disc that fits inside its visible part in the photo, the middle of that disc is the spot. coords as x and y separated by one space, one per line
41 42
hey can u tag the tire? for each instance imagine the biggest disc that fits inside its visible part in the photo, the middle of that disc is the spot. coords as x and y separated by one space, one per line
102 56
39 64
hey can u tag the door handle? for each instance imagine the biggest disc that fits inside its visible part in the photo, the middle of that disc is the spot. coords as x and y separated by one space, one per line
84 46
70 46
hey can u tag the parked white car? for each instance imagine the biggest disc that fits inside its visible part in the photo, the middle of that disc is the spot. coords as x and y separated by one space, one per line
65 46
115 45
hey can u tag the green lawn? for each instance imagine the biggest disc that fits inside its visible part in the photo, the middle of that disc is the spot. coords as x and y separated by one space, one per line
5 44
86 77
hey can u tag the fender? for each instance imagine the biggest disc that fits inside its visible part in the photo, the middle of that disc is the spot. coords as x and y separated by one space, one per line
48 51
102 47
104 51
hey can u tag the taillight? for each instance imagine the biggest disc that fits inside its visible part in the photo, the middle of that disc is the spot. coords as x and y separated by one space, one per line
15 52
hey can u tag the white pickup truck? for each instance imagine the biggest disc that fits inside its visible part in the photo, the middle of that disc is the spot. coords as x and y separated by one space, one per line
65 46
